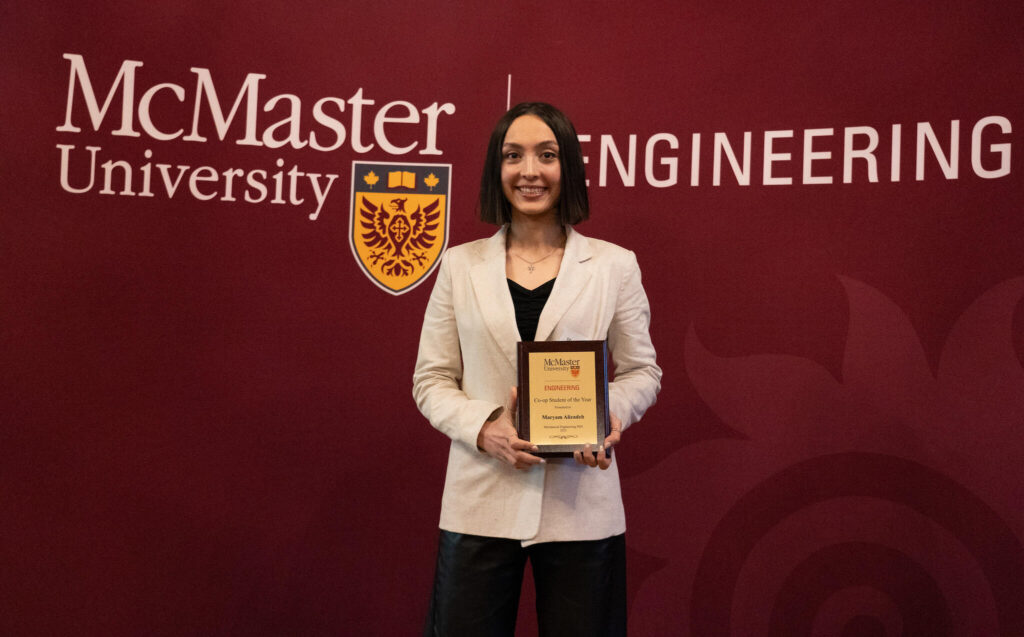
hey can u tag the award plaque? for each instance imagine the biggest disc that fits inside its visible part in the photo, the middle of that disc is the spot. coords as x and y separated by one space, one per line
563 396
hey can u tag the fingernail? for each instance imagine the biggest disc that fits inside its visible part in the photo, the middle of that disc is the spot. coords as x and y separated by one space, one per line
543 461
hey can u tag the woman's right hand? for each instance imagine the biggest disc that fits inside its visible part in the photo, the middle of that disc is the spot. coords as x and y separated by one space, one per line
498 439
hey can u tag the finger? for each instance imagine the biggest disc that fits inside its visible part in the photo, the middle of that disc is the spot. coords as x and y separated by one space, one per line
525 460
519 444
603 461
584 457
513 404
612 439
616 429
615 436
588 456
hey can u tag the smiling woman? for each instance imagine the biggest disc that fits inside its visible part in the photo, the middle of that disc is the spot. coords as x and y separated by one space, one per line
573 205
531 174
537 279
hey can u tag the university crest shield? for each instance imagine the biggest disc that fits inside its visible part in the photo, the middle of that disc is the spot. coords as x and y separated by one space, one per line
398 221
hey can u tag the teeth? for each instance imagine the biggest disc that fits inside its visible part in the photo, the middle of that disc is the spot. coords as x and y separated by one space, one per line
531 190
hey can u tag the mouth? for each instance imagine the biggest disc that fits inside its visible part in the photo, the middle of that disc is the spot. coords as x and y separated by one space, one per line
531 191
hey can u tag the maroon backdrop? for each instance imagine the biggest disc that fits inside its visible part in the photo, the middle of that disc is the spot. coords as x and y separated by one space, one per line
205 416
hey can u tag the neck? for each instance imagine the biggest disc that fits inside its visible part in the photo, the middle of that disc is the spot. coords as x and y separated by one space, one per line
535 233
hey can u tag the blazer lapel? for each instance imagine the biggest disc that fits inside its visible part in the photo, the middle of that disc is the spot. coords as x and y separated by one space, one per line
572 277
493 298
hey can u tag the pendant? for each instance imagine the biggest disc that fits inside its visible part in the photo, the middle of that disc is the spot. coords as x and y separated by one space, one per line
530 268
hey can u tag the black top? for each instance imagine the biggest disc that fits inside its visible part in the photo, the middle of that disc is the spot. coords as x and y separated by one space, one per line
528 304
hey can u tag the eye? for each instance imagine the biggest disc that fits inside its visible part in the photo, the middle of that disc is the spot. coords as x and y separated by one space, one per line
549 155
511 155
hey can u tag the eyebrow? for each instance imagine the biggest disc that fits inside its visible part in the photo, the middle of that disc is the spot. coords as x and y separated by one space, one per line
550 142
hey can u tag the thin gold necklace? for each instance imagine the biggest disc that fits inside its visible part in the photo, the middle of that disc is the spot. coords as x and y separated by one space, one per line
530 264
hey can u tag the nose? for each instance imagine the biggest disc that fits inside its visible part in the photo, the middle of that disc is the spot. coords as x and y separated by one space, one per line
529 166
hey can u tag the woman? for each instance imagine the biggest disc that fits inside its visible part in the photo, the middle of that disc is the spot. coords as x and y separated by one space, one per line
536 279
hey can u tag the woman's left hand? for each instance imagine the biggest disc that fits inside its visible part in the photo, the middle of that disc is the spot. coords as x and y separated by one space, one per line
601 460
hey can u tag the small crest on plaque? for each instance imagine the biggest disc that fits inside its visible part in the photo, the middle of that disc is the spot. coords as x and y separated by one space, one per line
398 221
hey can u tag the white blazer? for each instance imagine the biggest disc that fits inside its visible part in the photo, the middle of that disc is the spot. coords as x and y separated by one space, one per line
467 363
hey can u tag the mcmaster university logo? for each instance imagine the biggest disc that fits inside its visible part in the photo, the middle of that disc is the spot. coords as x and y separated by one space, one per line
398 224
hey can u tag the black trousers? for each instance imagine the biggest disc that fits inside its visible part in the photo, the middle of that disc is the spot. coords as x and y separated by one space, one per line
581 586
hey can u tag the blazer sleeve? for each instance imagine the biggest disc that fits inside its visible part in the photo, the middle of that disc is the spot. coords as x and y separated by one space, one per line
637 375
437 379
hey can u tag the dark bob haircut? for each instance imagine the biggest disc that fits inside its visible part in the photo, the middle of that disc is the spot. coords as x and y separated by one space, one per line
573 205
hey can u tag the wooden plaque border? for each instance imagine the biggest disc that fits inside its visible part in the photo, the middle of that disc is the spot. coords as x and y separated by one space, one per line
527 348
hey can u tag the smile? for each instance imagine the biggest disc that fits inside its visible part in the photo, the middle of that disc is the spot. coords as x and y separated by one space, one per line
531 190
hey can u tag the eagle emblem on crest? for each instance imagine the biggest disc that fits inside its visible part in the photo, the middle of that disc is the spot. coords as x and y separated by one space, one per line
398 238
398 224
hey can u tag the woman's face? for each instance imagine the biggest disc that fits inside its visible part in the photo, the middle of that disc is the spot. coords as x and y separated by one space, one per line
531 173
